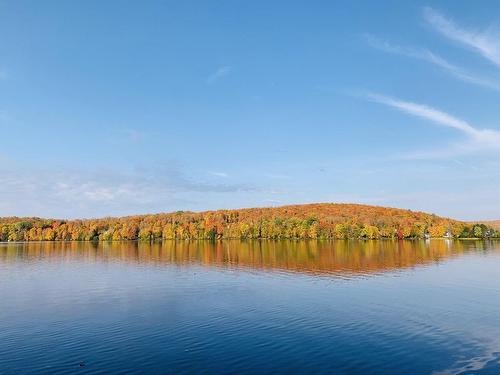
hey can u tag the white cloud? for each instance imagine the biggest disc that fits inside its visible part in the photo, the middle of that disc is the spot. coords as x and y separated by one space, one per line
272 202
477 140
84 193
134 135
485 42
430 57
278 176
219 174
220 73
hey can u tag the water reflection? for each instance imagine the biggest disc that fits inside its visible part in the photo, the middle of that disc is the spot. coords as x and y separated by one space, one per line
135 308
327 257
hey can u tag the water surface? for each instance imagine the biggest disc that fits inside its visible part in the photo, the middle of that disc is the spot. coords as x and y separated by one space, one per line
376 307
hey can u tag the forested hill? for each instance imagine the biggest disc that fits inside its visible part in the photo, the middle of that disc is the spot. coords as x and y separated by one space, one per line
322 220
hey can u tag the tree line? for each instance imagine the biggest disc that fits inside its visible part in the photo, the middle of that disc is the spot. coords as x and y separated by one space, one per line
311 221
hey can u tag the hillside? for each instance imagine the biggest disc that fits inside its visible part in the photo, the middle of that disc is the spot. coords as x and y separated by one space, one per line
322 220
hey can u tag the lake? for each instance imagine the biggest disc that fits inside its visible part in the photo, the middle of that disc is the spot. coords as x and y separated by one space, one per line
378 307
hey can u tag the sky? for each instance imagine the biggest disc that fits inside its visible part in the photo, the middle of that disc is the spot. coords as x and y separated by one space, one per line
132 107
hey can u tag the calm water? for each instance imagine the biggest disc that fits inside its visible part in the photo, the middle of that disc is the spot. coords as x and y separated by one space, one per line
377 307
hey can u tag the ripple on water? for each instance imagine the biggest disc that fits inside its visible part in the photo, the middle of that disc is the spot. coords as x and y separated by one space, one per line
244 307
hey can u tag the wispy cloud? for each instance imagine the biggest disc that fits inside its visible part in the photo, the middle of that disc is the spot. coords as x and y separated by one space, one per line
272 202
426 112
70 193
485 42
278 176
219 174
477 140
134 135
430 57
220 73
123 136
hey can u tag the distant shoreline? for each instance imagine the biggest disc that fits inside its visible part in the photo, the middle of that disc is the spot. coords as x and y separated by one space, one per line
322 221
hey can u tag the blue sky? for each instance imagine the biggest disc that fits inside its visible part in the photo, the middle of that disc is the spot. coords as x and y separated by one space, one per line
113 108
